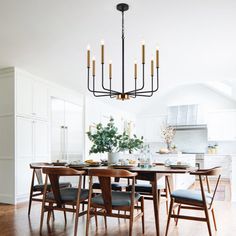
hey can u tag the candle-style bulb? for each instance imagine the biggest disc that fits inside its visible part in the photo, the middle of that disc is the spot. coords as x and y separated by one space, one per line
102 52
88 56
152 67
143 52
93 60
157 57
135 69
110 69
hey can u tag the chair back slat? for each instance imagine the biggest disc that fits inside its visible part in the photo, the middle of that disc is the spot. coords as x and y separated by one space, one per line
104 177
39 176
208 172
54 174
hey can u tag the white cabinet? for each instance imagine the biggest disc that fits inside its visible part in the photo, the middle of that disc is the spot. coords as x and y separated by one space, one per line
67 130
41 141
32 146
225 161
150 128
31 97
221 125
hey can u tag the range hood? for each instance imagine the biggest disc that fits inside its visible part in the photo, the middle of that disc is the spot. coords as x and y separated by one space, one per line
190 127
186 117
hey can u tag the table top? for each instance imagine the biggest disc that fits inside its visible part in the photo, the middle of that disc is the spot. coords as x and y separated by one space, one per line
154 169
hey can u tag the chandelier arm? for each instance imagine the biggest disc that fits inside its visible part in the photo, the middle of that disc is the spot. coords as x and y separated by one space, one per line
90 90
102 93
103 86
111 96
152 91
142 87
146 95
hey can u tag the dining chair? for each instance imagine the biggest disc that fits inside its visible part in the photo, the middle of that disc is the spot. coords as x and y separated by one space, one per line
112 203
145 189
61 198
36 190
196 200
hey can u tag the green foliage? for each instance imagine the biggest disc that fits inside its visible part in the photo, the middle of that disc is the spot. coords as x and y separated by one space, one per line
130 144
105 139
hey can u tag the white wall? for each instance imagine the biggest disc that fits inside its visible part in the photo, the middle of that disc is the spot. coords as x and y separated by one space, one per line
189 94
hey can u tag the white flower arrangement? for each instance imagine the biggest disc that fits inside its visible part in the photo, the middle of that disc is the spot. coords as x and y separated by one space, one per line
168 133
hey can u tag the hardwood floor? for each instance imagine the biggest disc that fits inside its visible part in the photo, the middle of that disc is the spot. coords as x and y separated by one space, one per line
14 221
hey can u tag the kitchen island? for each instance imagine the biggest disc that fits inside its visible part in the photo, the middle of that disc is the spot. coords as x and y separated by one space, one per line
183 181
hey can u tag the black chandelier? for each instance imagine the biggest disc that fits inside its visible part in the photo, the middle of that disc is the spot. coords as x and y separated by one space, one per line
123 95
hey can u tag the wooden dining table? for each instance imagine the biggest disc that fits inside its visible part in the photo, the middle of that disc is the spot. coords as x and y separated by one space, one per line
151 174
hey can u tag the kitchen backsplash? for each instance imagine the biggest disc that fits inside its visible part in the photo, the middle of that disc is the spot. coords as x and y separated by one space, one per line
223 147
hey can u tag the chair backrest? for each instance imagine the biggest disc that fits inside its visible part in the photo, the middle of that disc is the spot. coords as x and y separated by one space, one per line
54 174
104 177
215 171
37 170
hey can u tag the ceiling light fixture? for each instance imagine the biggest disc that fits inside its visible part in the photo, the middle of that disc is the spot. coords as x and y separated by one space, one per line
123 95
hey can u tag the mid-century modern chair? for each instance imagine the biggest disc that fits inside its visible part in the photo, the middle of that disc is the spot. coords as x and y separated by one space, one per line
111 203
145 189
195 200
60 198
36 190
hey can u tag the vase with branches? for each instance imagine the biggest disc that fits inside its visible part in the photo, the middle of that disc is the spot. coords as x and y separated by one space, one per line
168 133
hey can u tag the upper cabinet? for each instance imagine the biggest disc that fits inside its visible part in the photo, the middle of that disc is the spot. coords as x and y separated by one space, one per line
150 127
221 125
31 97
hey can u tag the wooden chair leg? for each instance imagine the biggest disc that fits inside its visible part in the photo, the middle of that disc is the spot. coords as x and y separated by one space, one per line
167 207
105 219
87 221
76 219
168 220
208 221
41 218
214 219
96 217
131 221
65 215
142 209
30 202
53 215
49 213
177 219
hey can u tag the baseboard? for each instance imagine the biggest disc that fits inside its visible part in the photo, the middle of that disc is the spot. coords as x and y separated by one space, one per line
22 198
7 198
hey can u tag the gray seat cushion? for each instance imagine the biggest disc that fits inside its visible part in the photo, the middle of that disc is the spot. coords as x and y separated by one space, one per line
114 186
190 195
144 188
118 198
40 187
69 194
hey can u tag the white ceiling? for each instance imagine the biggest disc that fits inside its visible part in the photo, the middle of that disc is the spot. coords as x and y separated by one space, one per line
49 38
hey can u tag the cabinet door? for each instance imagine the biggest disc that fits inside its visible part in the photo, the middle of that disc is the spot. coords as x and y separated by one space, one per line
41 141
57 129
74 132
24 95
221 126
24 155
40 100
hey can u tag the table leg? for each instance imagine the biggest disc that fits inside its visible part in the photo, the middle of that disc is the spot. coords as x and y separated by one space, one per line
156 204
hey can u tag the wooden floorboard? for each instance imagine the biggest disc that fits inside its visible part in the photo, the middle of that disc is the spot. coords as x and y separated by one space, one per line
14 221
